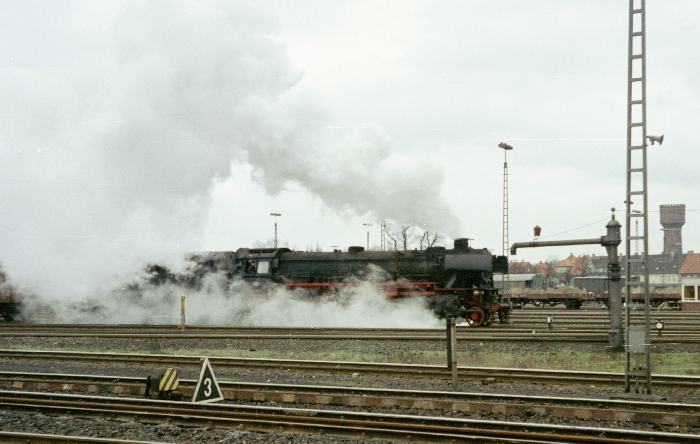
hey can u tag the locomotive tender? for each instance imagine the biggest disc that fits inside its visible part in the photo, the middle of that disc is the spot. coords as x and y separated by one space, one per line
457 282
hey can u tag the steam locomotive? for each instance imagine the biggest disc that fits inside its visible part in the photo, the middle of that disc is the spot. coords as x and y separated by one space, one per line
457 282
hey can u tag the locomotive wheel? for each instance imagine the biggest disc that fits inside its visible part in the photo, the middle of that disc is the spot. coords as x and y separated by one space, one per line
488 319
504 316
572 305
475 317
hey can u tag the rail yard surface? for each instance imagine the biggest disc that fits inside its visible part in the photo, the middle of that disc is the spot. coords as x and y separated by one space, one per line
306 385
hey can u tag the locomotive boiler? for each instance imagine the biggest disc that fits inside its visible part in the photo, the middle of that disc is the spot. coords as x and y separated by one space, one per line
456 282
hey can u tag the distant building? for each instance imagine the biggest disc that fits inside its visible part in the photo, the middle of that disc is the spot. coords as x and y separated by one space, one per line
663 269
597 266
672 218
571 267
520 280
544 269
690 282
521 267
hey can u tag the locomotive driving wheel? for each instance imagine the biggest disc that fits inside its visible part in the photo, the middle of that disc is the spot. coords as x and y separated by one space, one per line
475 316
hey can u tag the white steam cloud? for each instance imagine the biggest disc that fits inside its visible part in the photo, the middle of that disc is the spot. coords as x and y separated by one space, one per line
235 303
112 134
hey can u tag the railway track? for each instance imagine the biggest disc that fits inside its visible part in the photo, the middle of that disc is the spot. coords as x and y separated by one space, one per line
671 314
513 333
491 374
604 410
360 424
43 438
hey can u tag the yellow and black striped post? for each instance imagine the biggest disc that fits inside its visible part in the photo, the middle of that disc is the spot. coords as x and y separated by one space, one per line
169 380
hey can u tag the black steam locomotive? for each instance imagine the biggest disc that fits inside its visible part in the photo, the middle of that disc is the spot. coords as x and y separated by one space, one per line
457 282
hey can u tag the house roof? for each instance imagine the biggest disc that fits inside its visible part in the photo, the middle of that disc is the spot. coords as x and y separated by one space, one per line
577 264
521 267
599 262
691 265
543 268
657 264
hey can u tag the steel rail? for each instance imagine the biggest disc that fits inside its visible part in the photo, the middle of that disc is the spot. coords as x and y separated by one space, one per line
46 438
525 336
517 322
613 410
263 418
537 333
415 370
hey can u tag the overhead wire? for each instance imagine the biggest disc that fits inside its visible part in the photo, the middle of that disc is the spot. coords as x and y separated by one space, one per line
575 228
597 222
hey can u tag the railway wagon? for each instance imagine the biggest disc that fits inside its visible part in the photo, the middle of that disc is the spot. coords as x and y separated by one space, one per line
576 300
457 282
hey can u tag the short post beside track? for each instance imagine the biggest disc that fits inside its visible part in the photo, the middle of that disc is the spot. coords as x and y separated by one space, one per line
451 336
182 312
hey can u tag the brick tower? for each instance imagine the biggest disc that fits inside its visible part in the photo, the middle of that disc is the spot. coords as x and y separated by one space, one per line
672 221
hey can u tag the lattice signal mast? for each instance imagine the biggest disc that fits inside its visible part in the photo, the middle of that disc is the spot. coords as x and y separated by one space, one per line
638 372
505 277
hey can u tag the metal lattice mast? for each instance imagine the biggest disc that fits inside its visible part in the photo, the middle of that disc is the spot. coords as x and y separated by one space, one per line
637 185
505 280
275 215
382 236
506 245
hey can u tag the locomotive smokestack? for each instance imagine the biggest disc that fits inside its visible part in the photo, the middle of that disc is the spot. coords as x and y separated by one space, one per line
461 243
672 221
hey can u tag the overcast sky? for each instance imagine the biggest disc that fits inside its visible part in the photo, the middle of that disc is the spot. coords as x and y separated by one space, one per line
139 130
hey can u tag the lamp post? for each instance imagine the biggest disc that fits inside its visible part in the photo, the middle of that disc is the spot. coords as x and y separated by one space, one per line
275 215
636 232
506 251
366 224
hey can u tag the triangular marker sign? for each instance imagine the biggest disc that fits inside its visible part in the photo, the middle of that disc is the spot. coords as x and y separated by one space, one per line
207 387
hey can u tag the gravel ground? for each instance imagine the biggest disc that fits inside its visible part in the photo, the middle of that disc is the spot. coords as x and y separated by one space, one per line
26 421
293 376
383 348
288 376
532 417
392 351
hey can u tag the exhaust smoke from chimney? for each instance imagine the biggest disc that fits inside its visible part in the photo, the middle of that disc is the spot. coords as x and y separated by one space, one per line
109 148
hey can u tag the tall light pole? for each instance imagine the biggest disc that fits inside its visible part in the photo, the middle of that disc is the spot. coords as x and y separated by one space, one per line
505 278
366 224
275 215
636 231
382 238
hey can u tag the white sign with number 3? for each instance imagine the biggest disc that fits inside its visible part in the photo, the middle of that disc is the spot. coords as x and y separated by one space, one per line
207 389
